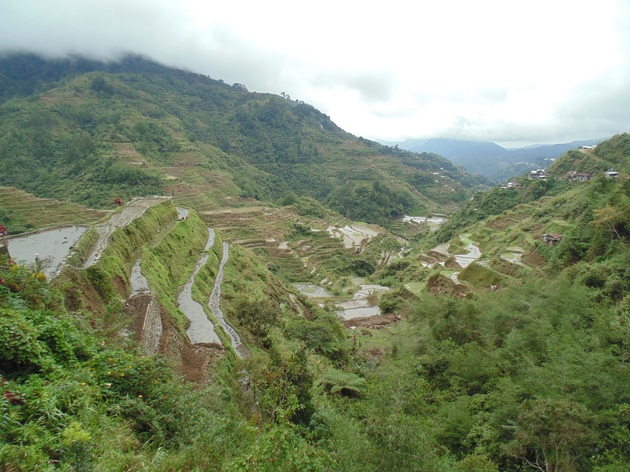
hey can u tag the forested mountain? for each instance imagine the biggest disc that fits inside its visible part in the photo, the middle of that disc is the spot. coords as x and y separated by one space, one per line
90 132
503 341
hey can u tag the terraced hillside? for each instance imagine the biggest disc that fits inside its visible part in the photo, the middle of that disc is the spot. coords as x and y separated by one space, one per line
149 237
526 231
137 128
21 211
300 248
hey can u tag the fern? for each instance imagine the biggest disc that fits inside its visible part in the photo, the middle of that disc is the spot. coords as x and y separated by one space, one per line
345 384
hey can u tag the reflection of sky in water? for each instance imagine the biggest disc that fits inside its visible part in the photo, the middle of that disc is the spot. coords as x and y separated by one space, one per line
359 312
201 329
312 290
52 246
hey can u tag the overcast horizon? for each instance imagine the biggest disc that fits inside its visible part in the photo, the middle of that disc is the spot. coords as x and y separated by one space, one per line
515 73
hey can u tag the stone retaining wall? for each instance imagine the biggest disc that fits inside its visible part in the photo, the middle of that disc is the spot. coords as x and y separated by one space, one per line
151 328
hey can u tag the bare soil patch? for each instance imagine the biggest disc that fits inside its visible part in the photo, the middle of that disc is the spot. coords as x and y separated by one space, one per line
445 286
372 322
192 361
534 259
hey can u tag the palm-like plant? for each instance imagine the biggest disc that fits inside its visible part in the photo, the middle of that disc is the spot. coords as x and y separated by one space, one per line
345 384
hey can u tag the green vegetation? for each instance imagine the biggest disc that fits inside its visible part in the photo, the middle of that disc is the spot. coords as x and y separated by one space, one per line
612 154
92 132
518 362
21 212
530 375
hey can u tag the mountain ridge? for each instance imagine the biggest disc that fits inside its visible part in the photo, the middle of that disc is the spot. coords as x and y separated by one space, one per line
492 160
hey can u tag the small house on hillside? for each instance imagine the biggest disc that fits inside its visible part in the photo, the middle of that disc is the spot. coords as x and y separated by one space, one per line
538 174
575 176
611 174
551 239
512 184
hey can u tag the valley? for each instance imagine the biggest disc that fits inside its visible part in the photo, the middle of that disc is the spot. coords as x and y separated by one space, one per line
227 280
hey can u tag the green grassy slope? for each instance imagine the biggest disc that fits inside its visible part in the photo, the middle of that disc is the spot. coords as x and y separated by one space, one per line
507 225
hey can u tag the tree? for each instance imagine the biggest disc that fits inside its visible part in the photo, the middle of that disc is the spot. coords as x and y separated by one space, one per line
552 435
610 219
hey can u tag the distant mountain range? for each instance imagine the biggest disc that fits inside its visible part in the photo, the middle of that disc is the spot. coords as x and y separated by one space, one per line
494 162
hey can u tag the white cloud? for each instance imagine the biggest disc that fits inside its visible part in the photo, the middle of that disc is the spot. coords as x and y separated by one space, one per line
534 71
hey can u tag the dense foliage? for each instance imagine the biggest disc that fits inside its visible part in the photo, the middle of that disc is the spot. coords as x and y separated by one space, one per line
531 375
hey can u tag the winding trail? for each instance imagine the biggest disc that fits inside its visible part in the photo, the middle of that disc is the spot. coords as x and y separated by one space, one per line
201 329
214 305
120 219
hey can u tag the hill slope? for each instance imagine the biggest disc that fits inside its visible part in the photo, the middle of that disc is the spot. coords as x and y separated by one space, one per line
543 350
90 132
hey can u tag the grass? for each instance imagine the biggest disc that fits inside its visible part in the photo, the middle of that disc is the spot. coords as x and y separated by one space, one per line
416 288
21 211
381 339
480 276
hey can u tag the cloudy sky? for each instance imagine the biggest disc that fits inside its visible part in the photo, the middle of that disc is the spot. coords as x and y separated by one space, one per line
514 72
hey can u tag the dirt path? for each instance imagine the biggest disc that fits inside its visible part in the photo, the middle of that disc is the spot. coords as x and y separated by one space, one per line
215 307
120 219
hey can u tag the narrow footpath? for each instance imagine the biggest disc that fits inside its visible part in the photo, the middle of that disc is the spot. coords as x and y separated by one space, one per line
120 219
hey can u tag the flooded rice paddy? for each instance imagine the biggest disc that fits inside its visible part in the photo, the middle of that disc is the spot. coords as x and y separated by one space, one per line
182 213
312 290
139 283
359 306
48 248
120 219
438 220
352 236
352 313
215 307
472 255
201 329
